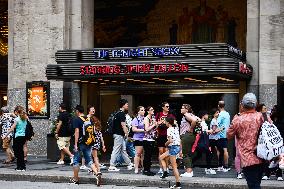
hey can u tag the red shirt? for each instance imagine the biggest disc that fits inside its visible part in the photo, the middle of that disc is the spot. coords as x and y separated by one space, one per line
162 129
245 127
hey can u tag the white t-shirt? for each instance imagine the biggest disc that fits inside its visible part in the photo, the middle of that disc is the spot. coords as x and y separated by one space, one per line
173 133
214 123
204 126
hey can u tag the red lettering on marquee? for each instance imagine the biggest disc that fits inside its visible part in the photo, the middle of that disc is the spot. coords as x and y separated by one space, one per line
138 68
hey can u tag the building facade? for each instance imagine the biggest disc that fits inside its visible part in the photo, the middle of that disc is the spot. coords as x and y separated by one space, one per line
39 29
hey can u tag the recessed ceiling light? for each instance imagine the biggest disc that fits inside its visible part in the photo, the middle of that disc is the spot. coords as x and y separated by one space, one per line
77 80
100 79
136 80
144 81
129 79
94 82
168 80
114 81
102 83
122 82
106 80
175 81
85 81
155 78
152 82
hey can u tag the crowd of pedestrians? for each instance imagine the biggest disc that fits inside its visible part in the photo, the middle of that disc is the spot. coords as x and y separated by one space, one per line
139 136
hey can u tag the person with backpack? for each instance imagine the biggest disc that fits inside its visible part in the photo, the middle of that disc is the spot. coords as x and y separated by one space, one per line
203 144
62 134
84 139
246 128
20 124
120 134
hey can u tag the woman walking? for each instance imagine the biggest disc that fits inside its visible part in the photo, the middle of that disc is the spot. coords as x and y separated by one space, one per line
173 144
20 124
138 130
149 140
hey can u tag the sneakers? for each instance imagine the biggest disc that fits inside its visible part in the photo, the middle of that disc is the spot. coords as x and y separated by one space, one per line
160 171
102 166
99 178
175 187
113 169
60 162
71 160
148 173
210 172
130 166
265 178
164 175
84 167
220 168
240 176
73 181
186 174
279 178
226 169
20 170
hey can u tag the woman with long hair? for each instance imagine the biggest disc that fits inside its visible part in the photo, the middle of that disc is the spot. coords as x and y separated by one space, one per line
99 143
173 144
149 140
20 124
138 129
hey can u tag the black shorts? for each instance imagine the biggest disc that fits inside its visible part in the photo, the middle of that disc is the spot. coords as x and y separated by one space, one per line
213 143
138 143
222 143
161 141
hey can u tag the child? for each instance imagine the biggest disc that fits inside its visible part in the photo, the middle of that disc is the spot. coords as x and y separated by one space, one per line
173 145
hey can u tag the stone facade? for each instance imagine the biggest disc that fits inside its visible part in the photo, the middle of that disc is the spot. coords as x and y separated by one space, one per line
38 28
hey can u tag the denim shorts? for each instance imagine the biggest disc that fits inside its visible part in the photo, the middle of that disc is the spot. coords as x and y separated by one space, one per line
174 150
87 154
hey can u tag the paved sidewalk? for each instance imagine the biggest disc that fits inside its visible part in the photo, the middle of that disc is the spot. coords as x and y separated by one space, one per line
40 170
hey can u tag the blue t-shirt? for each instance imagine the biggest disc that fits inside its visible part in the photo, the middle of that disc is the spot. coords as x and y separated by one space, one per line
223 123
20 127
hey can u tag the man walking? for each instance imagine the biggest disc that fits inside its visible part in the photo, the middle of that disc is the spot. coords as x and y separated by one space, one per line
223 121
81 147
120 134
62 134
246 127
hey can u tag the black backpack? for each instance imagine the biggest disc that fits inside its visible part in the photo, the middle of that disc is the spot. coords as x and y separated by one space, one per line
110 122
70 127
88 138
29 132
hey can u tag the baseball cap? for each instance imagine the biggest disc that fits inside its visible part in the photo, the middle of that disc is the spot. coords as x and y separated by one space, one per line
249 100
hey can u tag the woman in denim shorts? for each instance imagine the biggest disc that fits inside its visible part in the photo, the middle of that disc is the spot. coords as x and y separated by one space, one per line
173 144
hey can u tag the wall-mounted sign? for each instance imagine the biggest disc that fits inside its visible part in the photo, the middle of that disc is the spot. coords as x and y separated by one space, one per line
38 97
138 68
136 52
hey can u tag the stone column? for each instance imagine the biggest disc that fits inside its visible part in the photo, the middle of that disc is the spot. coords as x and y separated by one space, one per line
270 47
81 36
253 43
36 32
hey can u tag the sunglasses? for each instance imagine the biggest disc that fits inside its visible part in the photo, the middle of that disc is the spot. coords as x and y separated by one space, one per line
167 106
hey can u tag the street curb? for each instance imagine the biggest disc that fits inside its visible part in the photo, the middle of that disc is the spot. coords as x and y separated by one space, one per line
123 182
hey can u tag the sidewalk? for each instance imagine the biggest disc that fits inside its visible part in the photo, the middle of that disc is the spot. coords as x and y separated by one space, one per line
39 169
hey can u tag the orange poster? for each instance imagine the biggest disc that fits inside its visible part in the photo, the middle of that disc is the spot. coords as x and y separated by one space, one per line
37 99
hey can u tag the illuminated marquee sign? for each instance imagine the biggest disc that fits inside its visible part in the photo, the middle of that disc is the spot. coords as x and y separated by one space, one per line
136 52
128 69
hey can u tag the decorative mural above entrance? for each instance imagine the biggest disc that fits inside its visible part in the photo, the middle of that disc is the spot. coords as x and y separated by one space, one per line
152 22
